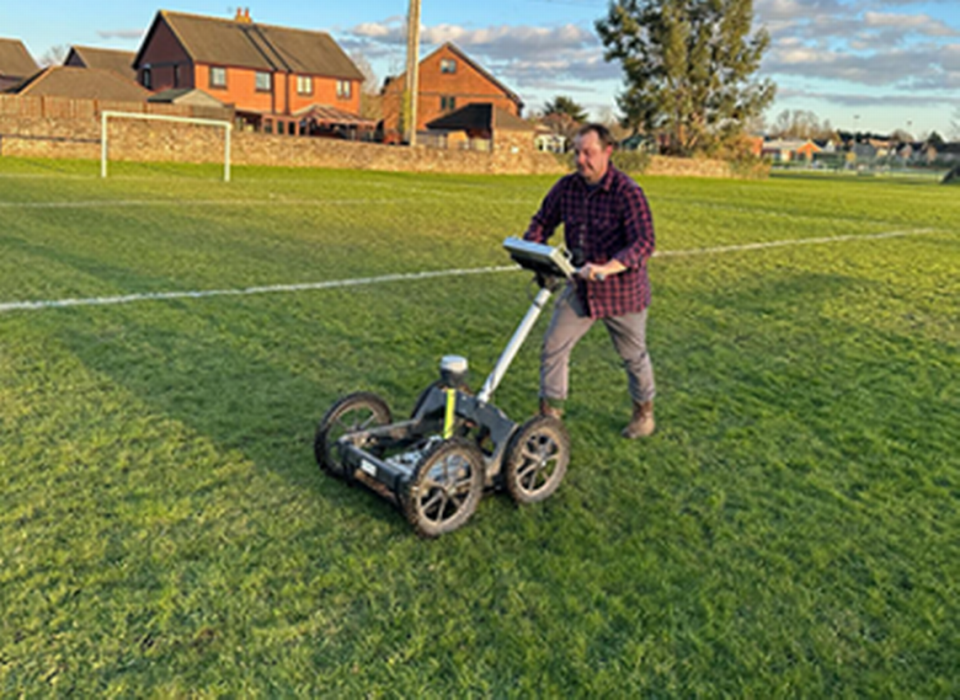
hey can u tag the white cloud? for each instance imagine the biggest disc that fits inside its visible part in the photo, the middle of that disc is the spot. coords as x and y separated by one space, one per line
565 58
921 24
120 33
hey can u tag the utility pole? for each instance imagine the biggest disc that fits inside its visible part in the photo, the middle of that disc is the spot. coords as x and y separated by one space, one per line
413 78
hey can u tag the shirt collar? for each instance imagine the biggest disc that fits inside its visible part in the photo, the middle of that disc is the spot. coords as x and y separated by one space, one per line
606 182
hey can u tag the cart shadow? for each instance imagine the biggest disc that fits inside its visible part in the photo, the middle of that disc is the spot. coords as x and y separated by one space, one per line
239 402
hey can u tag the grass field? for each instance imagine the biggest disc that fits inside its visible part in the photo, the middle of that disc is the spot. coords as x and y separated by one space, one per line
790 531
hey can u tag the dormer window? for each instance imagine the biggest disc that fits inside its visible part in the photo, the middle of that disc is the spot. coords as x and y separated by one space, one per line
448 65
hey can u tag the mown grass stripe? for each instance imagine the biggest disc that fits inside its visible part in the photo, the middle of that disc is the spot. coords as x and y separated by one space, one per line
38 305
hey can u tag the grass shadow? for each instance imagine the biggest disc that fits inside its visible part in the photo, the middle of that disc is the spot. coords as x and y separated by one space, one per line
206 380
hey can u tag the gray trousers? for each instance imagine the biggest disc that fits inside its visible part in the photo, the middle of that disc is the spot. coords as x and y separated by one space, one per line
569 324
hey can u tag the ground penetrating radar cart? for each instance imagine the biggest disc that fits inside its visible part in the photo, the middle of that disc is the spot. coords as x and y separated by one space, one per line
436 466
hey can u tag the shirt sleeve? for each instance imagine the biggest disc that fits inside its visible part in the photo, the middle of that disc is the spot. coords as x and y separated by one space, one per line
638 229
545 221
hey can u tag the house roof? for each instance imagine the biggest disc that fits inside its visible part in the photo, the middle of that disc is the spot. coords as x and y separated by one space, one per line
788 145
480 116
215 41
111 59
15 60
331 115
186 96
83 83
473 64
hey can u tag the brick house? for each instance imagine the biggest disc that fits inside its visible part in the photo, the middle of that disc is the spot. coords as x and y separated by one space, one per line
109 59
16 63
786 150
482 126
448 79
277 78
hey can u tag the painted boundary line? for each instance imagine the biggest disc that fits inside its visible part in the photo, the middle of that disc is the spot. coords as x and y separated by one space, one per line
239 203
795 242
7 307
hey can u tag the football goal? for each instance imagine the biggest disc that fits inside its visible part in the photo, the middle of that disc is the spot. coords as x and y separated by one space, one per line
106 116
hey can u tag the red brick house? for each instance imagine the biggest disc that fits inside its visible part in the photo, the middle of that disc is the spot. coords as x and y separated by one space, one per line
276 77
16 64
448 79
109 59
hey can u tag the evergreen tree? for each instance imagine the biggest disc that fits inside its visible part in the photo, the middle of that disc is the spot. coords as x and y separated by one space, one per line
565 105
688 68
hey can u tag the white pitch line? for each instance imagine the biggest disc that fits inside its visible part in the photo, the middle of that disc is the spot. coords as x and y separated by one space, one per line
793 242
7 307
107 204
201 294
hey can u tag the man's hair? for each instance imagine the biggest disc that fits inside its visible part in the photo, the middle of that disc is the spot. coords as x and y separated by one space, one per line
602 132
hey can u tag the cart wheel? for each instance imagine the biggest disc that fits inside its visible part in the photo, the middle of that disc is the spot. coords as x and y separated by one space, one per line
351 413
536 460
446 488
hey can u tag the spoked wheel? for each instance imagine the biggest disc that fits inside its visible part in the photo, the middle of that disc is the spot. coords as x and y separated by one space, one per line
352 413
536 459
446 487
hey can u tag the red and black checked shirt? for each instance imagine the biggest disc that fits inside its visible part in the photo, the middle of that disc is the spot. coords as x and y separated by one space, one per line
611 220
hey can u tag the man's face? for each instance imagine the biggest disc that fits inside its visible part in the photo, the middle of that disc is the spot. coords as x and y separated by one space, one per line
593 157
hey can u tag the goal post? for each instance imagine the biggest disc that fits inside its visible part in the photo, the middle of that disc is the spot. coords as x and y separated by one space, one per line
107 115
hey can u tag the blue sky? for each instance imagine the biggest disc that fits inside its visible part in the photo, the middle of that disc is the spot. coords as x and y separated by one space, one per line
874 65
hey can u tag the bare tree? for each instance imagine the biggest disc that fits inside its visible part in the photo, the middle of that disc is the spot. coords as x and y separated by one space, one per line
54 56
800 124
371 104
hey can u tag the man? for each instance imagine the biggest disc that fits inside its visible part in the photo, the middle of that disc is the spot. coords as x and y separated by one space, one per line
609 230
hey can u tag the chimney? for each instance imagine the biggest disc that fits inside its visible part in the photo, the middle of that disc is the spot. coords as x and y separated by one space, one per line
246 15
239 17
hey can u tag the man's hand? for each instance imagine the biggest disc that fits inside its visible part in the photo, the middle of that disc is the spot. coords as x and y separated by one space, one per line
597 273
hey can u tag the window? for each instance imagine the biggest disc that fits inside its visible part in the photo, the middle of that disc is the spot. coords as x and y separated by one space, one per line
448 65
344 89
448 103
263 81
218 77
147 79
304 85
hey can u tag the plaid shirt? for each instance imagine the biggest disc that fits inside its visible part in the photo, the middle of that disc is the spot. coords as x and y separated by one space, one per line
611 220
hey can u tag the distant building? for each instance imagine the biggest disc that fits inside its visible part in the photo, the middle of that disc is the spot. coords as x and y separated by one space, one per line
270 74
109 59
448 80
82 84
16 63
786 150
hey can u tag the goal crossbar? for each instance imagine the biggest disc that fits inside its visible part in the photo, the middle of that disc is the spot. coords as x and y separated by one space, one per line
104 146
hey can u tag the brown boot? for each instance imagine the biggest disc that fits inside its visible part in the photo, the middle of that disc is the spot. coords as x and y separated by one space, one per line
547 409
641 424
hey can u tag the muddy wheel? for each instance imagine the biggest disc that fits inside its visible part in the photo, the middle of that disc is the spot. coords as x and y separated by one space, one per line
446 487
536 459
354 412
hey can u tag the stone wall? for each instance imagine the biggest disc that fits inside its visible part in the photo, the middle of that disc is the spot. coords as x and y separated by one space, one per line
27 129
58 128
702 167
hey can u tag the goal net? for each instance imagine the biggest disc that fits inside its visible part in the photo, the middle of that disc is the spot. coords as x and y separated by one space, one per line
106 116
